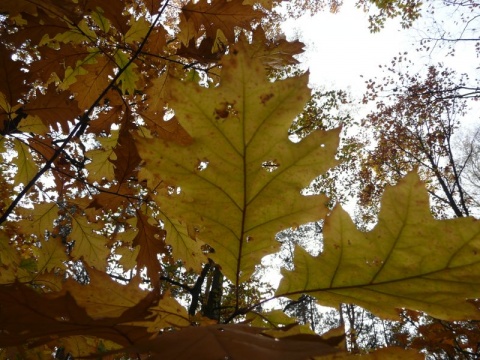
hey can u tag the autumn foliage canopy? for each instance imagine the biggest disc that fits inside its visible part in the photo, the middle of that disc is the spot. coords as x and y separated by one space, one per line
143 136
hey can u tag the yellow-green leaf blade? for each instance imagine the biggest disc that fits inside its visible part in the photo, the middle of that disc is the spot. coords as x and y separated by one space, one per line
89 244
26 166
137 31
51 255
9 260
39 219
409 260
101 166
219 187
129 77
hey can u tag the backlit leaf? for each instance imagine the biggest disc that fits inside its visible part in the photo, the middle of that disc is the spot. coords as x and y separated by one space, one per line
219 14
55 62
151 240
61 314
32 124
89 244
39 219
26 167
9 260
102 22
104 297
137 31
129 77
114 11
72 73
12 85
167 314
278 53
92 80
55 109
51 255
220 188
78 346
77 34
409 260
101 165
128 258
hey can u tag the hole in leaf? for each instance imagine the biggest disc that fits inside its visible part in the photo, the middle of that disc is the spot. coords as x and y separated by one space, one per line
174 190
202 164
270 165
168 115
207 249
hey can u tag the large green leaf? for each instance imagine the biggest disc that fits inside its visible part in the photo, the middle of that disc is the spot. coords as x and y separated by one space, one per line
240 180
409 260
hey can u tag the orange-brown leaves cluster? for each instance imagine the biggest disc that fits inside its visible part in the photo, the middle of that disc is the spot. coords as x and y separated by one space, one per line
415 129
81 81
35 319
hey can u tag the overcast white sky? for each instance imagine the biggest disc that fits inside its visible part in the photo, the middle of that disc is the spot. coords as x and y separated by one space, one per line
340 48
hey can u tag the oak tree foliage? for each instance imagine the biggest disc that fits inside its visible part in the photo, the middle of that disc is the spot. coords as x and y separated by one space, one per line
146 169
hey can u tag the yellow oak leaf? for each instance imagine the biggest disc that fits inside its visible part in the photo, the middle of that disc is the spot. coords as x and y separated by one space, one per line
105 297
92 77
89 244
220 189
101 166
290 331
129 76
51 255
138 30
409 260
32 124
102 22
77 34
5 106
270 319
26 166
9 260
168 313
82 346
71 73
128 258
39 219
